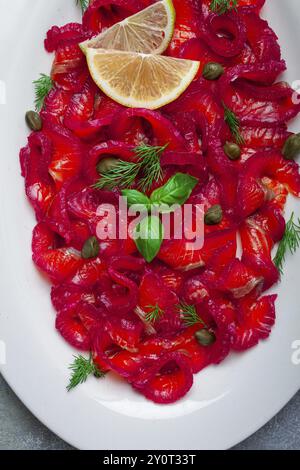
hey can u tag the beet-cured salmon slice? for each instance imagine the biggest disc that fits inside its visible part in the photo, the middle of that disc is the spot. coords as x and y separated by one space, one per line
84 204
245 91
69 69
270 220
67 59
225 173
251 192
153 292
272 137
254 322
199 97
197 49
57 263
194 290
80 114
125 330
257 245
35 160
277 193
168 380
67 296
238 280
78 325
73 331
66 159
81 107
94 207
232 40
89 273
101 14
257 4
57 217
176 254
171 279
55 105
186 25
71 33
162 131
261 38
118 294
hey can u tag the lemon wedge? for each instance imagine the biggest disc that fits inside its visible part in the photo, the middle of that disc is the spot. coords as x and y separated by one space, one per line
149 31
140 80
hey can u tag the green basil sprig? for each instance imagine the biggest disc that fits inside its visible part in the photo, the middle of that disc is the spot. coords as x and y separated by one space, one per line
150 231
151 234
135 197
176 191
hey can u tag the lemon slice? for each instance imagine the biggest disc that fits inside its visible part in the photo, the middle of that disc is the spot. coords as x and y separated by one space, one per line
148 31
140 80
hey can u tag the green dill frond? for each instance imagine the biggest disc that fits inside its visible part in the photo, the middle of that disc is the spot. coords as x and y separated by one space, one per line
42 87
154 314
84 4
190 315
234 124
81 369
149 159
124 174
222 6
290 242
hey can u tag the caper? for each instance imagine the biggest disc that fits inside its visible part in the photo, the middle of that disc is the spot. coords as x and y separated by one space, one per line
214 215
90 249
291 147
205 337
33 121
232 150
212 71
107 164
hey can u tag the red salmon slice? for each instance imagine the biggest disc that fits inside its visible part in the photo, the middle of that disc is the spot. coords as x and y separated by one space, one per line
176 254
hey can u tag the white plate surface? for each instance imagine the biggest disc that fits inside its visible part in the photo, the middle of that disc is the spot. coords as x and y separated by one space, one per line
227 402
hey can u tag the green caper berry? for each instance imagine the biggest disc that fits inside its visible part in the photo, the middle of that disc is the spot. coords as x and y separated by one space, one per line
107 164
291 147
232 150
205 337
214 215
33 121
90 249
212 71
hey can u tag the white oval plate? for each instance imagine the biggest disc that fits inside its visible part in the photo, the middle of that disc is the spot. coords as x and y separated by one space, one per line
228 402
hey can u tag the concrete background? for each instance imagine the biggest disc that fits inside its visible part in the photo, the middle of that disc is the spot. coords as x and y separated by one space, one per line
19 430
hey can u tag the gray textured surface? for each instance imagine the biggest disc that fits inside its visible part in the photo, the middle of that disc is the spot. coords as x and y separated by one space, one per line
20 430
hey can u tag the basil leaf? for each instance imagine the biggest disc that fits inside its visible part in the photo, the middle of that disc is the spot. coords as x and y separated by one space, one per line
176 191
150 232
136 197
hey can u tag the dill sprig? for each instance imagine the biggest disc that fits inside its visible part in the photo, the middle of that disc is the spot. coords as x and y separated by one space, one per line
149 159
154 314
233 123
190 315
84 4
81 369
290 242
123 174
42 86
222 6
